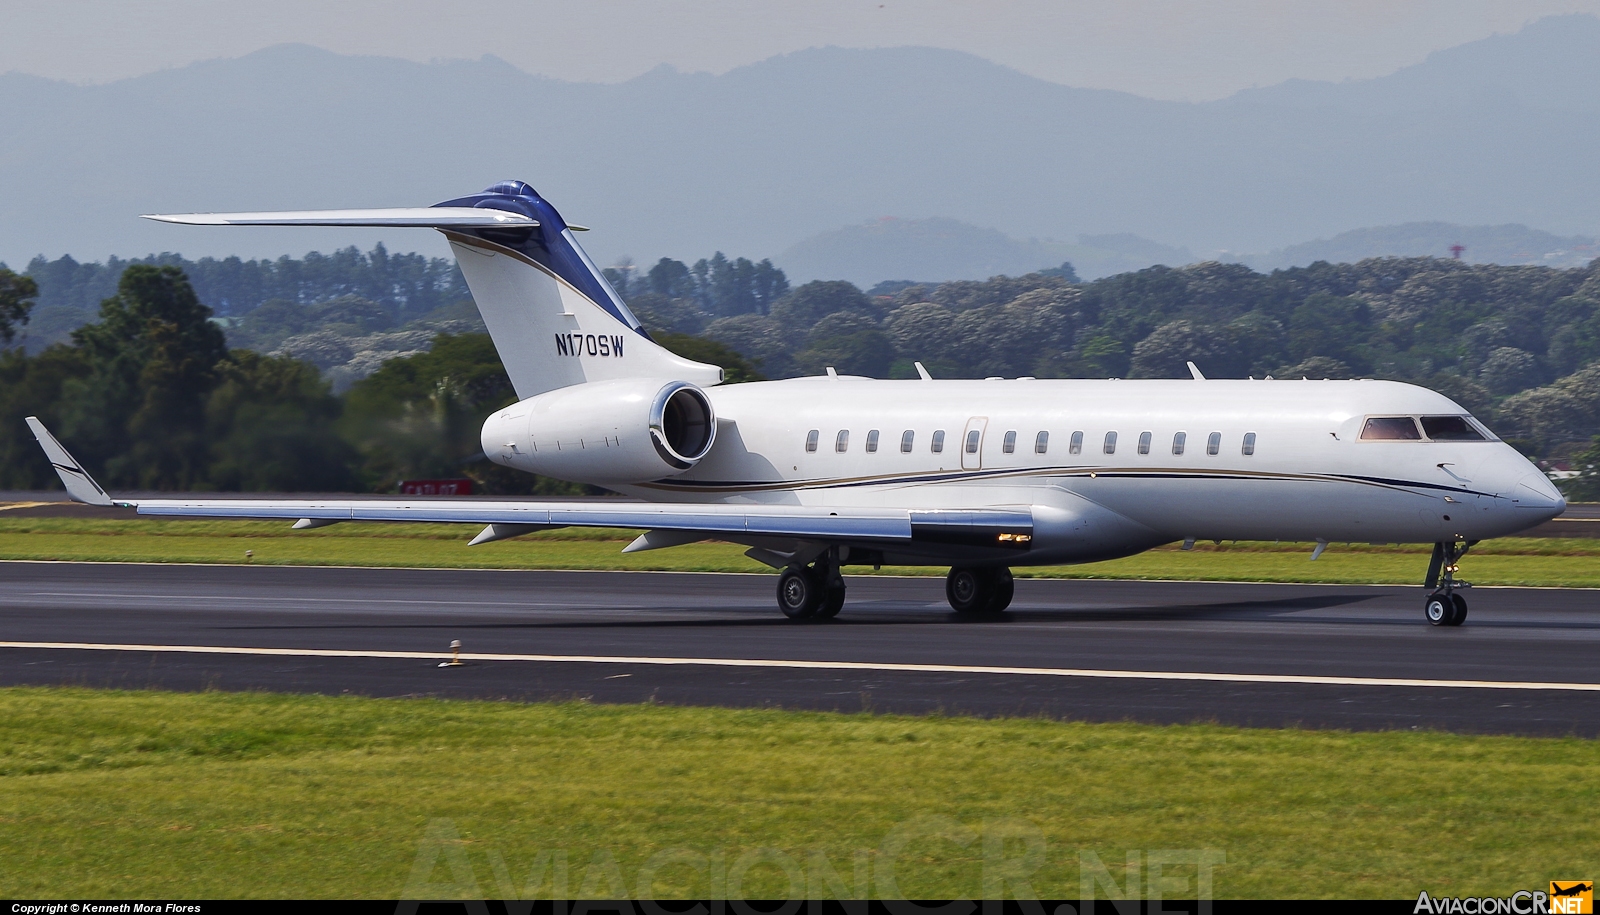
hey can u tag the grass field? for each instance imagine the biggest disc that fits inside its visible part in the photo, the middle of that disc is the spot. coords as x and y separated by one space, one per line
160 795
1551 562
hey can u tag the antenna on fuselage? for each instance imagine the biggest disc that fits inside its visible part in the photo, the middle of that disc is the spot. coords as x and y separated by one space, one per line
922 371
1195 371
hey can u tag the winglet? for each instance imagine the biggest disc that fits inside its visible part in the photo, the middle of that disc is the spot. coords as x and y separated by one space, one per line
1195 371
80 486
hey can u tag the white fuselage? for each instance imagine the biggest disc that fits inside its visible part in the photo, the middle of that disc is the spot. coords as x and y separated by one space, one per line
1309 476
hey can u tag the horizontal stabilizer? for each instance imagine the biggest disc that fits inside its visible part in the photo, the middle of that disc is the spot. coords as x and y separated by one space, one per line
407 217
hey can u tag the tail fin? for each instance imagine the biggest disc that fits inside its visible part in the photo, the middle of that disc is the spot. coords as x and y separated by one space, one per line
553 317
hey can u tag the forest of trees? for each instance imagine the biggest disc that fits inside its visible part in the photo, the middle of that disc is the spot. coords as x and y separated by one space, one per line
151 396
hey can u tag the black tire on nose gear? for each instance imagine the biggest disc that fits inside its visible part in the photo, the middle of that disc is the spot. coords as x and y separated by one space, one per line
969 590
1439 609
800 593
1460 607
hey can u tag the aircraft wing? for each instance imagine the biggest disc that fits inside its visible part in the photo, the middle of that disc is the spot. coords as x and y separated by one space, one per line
412 217
1010 529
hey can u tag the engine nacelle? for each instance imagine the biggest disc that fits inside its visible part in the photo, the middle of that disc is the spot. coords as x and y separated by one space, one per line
626 431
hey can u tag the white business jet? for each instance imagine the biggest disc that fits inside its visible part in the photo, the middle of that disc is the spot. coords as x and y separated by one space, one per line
813 474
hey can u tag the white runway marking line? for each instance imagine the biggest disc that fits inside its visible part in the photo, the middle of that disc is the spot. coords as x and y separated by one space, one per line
1290 679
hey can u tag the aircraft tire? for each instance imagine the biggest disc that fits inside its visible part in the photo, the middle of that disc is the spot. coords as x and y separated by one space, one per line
1439 609
832 603
969 590
1460 607
1005 588
800 593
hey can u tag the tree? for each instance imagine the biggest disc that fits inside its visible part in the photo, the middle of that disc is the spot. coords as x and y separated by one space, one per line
152 362
808 304
272 426
671 279
16 300
32 386
1585 487
1166 351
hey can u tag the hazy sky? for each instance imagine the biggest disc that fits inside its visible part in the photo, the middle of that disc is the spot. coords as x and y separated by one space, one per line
1173 49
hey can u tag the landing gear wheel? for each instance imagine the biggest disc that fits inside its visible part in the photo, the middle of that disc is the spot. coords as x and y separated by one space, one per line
800 593
1445 605
832 603
1440 609
978 592
967 589
1005 587
1460 606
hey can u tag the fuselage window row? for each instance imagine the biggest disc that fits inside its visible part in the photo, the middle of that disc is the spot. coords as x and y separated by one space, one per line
1041 442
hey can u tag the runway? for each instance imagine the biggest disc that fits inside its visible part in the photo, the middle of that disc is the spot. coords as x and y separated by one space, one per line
1326 656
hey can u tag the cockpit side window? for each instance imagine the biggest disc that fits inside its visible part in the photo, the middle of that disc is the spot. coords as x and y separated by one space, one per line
1390 429
1451 429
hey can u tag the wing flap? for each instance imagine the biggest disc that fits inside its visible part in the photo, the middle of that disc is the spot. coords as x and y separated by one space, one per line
405 217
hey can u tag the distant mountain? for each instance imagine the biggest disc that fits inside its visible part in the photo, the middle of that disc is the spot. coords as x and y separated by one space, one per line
938 250
1507 244
764 156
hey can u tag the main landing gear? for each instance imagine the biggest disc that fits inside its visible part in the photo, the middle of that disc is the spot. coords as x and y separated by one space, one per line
974 591
1444 606
812 592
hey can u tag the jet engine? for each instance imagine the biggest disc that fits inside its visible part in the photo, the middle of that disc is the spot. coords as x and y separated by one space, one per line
627 431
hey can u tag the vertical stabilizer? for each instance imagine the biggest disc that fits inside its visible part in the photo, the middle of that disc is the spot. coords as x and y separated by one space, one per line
554 319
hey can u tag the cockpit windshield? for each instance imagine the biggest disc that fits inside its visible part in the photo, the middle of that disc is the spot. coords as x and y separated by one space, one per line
1390 429
1451 429
1455 428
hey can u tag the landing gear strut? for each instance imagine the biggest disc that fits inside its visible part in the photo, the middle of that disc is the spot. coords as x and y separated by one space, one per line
1444 606
812 592
974 591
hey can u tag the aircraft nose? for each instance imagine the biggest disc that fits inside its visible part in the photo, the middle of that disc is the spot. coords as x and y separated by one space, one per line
1534 493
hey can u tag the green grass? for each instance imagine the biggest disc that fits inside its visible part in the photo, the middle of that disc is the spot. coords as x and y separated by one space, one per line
1552 562
162 795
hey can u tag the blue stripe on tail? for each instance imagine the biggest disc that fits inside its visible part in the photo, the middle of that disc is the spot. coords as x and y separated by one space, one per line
550 243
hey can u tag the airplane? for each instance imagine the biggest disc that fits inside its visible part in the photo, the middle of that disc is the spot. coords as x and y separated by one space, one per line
819 473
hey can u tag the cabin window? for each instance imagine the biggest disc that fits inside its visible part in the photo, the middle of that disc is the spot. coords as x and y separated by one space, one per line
1010 444
1214 443
938 442
811 440
1075 446
841 443
1390 429
1451 429
1249 447
1144 443
906 439
1178 441
1041 443
972 441
1111 443
872 442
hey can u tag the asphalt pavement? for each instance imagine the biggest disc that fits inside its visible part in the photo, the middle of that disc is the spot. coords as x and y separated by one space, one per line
1325 656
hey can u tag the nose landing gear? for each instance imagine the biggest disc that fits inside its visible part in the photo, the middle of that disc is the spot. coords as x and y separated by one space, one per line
1444 607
